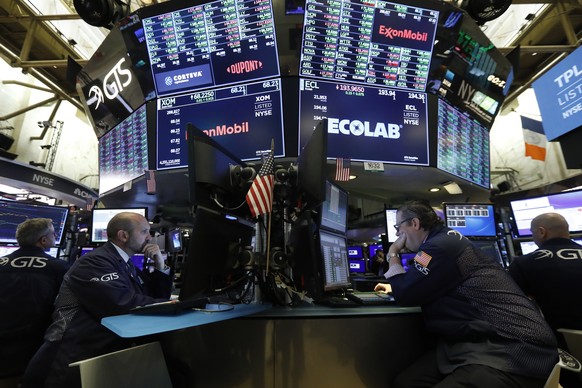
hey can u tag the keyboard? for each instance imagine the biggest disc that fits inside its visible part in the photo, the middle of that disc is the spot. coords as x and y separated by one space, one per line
171 307
336 301
370 298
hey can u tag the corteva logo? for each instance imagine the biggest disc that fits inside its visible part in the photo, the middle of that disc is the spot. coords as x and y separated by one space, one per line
392 33
244 67
363 128
113 84
223 130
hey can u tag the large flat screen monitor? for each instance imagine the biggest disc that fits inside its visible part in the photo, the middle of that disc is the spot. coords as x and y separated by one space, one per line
100 217
491 249
334 261
471 219
215 243
334 210
196 46
390 218
243 119
384 43
556 93
566 203
123 151
355 252
371 132
13 213
462 145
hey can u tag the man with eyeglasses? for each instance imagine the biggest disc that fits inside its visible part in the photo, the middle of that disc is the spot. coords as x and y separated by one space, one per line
29 282
489 333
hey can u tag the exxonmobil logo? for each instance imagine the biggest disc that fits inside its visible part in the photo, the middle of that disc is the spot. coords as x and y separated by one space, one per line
244 67
223 130
405 33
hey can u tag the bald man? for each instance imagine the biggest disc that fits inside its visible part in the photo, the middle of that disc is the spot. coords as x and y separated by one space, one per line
552 274
100 284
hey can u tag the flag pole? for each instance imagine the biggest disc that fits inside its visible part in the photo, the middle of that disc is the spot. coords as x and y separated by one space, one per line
270 217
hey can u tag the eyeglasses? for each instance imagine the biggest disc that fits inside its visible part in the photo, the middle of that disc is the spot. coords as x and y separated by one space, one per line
397 226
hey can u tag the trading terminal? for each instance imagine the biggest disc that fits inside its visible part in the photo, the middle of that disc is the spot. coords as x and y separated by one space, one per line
187 98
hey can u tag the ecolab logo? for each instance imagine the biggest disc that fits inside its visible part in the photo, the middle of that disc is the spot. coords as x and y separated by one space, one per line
363 128
223 130
244 67
392 33
113 84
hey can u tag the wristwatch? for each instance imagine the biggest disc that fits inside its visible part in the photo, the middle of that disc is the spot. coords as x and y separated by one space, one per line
391 255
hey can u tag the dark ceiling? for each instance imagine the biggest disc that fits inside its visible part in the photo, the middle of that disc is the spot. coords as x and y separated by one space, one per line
28 42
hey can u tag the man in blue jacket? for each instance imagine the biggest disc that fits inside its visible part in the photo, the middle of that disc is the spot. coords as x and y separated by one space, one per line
489 333
30 282
102 283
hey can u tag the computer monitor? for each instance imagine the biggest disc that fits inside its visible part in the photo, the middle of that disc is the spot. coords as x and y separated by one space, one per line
335 266
491 249
357 265
138 260
372 248
13 213
215 175
100 217
471 219
355 252
527 247
566 203
311 168
174 240
334 210
390 220
5 250
213 249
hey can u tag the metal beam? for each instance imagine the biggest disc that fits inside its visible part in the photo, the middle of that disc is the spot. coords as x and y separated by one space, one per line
28 108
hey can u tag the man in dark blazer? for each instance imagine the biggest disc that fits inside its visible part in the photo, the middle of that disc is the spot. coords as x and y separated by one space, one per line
102 283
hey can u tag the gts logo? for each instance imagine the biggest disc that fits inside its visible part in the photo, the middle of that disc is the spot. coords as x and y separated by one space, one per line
106 278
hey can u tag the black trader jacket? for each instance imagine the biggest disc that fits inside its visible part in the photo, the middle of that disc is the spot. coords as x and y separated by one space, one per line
98 285
479 314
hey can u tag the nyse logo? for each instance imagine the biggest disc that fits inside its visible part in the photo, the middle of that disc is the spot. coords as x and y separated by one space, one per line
45 180
114 82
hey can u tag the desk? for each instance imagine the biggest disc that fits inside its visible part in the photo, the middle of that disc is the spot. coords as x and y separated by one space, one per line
134 325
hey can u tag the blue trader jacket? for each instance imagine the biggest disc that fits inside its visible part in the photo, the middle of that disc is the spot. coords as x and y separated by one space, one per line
97 285
479 314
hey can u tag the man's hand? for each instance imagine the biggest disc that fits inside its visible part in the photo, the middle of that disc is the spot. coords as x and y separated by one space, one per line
152 251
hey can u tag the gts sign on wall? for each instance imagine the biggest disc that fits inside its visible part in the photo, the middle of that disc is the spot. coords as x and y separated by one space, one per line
114 82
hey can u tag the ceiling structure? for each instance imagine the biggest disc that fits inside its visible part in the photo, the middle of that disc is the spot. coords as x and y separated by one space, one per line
537 34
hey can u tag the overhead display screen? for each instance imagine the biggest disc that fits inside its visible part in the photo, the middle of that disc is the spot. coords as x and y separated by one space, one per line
243 119
214 44
558 95
377 43
123 151
360 126
463 145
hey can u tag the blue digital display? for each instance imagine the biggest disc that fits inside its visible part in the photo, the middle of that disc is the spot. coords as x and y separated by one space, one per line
355 252
369 132
213 44
243 119
471 220
357 265
558 94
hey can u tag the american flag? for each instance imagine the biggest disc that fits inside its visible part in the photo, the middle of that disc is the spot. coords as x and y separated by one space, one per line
260 195
423 258
342 171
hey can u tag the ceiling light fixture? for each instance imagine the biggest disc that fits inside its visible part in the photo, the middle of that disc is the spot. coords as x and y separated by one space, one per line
452 188
434 189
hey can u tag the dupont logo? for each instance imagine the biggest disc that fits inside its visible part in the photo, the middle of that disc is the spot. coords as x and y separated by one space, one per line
392 33
244 67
